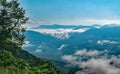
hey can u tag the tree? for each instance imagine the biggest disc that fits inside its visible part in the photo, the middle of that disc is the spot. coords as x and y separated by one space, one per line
12 16
6 59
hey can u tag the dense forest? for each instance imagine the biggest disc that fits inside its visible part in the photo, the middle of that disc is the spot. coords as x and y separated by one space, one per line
13 59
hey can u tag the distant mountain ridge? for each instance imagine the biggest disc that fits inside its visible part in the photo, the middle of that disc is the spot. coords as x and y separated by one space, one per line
58 26
77 40
63 31
55 41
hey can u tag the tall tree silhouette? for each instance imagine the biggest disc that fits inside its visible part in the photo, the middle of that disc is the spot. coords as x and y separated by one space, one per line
12 16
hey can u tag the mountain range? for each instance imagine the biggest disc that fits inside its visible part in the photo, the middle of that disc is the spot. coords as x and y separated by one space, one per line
58 42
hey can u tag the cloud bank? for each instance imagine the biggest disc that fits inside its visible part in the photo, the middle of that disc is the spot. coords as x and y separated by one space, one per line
27 44
60 33
61 47
100 64
84 52
101 42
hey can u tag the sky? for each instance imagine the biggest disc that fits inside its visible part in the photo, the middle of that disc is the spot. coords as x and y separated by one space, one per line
72 12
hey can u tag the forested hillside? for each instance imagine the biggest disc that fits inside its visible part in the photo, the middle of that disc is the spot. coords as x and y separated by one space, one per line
24 63
13 59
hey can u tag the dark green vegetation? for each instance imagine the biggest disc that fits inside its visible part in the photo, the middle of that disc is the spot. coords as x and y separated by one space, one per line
24 63
14 60
11 19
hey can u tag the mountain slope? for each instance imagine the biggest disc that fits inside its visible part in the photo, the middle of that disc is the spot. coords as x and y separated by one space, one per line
48 46
102 40
24 63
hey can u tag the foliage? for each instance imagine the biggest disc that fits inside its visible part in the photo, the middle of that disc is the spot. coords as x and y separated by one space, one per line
6 58
14 60
13 65
11 19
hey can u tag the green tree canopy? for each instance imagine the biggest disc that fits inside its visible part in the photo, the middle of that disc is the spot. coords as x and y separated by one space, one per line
12 16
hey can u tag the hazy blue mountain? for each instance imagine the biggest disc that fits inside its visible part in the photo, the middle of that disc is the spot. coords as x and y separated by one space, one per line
54 42
48 46
58 26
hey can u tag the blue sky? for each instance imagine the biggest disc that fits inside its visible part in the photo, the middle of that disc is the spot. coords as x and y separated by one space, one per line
77 12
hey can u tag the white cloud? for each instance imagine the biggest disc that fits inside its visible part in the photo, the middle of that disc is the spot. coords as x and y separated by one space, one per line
60 33
61 47
27 44
69 58
101 42
74 59
40 46
100 66
80 54
38 51
84 52
94 65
